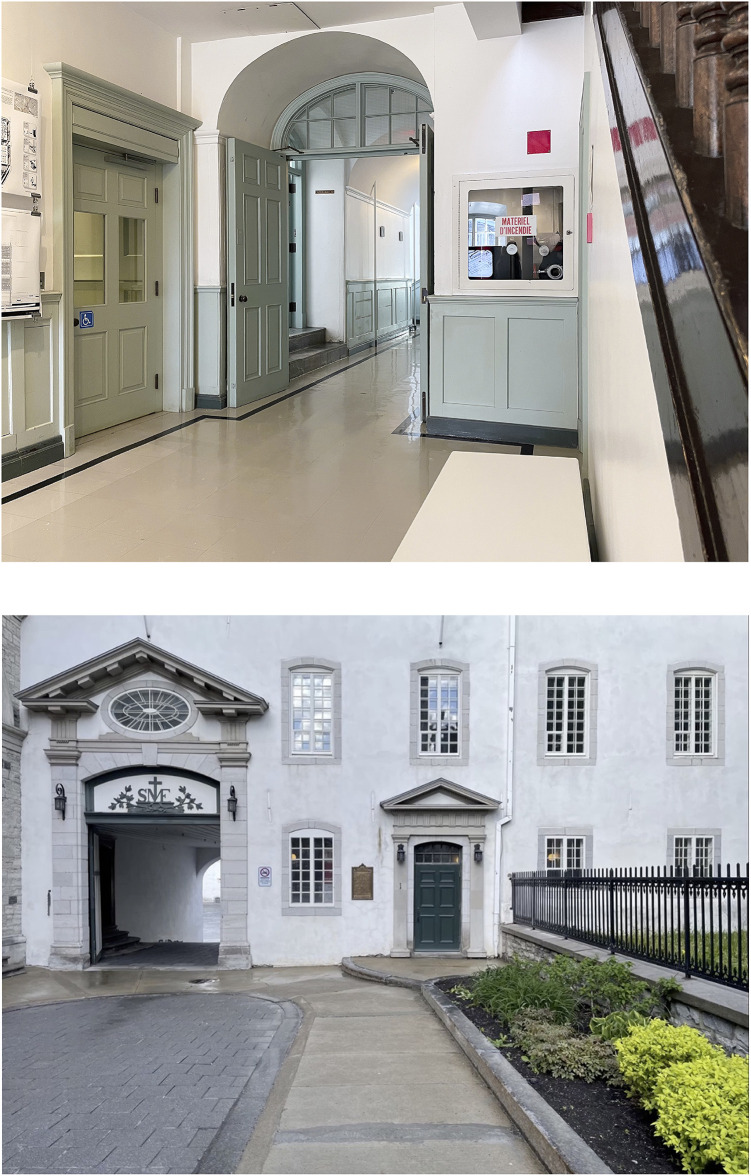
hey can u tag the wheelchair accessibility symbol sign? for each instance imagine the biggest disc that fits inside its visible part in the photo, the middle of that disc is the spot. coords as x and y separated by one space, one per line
86 318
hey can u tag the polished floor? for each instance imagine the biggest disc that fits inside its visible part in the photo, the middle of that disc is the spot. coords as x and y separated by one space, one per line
334 469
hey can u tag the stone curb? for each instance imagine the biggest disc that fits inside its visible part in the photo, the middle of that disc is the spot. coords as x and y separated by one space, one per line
349 966
558 1145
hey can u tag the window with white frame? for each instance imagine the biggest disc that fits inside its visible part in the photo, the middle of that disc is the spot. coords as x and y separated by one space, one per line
311 711
440 699
311 869
566 727
564 853
694 709
693 854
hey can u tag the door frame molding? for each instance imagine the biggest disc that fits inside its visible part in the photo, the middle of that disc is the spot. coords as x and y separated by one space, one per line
459 843
141 121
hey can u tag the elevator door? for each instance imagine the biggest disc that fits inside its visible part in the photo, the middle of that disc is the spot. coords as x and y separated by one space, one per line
117 277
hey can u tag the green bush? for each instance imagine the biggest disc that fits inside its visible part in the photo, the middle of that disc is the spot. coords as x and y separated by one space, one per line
646 1051
522 984
553 1048
575 990
616 1024
703 1112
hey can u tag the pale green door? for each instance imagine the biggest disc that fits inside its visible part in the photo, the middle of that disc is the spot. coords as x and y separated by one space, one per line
257 253
117 278
426 257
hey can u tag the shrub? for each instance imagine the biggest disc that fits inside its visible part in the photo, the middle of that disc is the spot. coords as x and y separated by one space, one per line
703 1112
616 1024
522 984
646 1051
554 1048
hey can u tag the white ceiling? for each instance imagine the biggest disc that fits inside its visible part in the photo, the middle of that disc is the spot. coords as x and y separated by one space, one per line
217 19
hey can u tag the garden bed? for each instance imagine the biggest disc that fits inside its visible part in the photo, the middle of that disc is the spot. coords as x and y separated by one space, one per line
613 1125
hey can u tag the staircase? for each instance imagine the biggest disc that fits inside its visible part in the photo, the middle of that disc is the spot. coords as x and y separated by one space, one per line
308 350
117 942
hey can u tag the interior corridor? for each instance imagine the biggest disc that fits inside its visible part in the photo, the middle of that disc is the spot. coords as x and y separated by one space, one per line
333 469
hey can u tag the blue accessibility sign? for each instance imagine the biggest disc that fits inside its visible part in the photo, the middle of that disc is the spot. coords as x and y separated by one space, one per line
86 318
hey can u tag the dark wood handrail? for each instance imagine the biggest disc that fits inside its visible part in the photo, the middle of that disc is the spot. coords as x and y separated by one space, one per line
698 356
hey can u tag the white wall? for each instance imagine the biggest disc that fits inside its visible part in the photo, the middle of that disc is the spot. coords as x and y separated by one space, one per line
631 795
634 508
157 890
324 245
106 40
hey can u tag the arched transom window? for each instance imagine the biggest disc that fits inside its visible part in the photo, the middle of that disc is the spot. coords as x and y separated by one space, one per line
358 113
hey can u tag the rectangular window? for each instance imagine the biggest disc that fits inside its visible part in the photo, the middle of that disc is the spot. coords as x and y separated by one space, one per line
564 853
694 855
312 870
311 712
439 714
566 723
694 714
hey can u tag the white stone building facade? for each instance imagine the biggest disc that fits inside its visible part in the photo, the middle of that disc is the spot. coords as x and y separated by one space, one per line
440 754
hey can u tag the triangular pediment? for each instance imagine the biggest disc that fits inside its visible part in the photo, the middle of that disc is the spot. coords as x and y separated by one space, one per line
75 690
440 794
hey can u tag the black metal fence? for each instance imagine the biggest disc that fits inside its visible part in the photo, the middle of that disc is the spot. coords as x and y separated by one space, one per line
698 924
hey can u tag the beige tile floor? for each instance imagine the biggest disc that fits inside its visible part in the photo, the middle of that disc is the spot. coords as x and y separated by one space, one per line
316 477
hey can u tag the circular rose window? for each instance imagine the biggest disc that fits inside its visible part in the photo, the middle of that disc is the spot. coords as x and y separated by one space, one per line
150 710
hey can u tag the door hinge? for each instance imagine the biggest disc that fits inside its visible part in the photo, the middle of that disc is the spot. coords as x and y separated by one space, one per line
232 294
292 306
156 289
156 381
292 188
293 248
156 195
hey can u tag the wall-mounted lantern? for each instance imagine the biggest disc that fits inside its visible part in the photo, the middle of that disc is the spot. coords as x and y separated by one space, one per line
60 800
400 855
478 852
232 802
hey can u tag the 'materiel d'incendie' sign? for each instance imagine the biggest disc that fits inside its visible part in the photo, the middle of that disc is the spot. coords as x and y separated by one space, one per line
516 226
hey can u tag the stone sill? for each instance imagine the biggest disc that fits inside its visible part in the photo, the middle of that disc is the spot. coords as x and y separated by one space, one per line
731 1004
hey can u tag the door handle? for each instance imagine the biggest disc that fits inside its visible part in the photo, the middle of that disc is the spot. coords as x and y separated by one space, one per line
76 322
242 298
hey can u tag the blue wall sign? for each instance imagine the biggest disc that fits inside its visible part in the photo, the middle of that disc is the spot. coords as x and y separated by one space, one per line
86 318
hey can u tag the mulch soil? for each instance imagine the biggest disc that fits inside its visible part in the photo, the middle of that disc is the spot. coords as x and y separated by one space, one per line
612 1124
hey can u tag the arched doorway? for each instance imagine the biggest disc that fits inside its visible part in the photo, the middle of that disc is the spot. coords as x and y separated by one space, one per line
438 896
323 100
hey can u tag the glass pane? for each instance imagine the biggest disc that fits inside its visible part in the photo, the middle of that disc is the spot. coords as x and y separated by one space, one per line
132 259
376 100
402 102
298 135
402 128
526 226
319 135
345 132
320 109
376 130
344 103
88 259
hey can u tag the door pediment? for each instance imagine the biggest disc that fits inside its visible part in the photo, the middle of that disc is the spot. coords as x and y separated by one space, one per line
440 794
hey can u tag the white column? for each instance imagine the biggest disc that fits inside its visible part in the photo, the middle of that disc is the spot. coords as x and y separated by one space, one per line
70 860
234 945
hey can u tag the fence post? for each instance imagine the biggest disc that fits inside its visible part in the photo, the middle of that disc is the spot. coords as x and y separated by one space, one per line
611 912
565 907
534 900
686 929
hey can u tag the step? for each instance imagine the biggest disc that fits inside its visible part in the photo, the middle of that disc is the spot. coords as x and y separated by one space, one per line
309 359
300 338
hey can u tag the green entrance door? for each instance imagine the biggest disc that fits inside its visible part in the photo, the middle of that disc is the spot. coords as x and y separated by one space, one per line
438 880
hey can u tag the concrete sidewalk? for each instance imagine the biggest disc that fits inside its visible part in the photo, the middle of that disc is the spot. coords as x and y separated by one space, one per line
372 1083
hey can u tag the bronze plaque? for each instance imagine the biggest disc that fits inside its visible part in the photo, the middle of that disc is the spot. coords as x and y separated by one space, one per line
362 881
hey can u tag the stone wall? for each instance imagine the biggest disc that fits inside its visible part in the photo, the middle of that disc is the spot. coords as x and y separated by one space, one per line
14 943
718 1029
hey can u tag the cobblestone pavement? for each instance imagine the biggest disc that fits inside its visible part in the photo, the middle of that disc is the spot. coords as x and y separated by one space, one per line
139 1083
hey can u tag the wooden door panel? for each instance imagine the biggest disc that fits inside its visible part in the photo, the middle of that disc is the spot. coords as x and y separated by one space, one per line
133 352
91 368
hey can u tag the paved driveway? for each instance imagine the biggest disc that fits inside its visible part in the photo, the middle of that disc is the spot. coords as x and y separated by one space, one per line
139 1083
